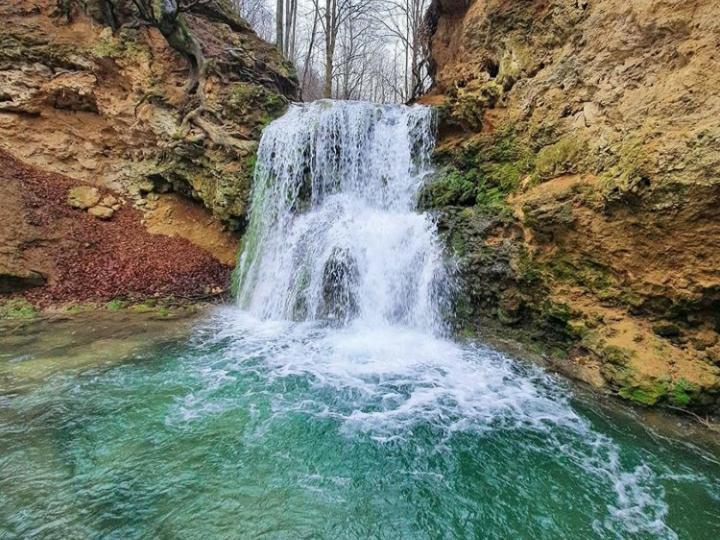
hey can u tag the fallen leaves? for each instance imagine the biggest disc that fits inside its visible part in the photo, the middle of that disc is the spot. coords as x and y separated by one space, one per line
101 260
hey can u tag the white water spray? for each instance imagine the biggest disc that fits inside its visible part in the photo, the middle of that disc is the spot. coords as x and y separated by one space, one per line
334 233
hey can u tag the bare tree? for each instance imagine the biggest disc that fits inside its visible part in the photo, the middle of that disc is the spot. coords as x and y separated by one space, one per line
359 45
337 14
349 49
404 21
330 29
258 15
313 33
290 28
279 24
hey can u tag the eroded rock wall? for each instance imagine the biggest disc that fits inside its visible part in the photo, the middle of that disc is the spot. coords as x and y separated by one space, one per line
581 183
111 105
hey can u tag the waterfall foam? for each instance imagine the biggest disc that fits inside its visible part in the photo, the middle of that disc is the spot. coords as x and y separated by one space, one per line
334 233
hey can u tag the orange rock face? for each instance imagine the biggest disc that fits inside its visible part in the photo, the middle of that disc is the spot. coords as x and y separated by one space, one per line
590 131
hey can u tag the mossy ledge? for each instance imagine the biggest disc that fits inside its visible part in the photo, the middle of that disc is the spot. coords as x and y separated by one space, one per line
18 310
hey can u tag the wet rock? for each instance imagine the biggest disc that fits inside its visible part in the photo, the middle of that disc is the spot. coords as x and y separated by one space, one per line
666 330
618 211
339 287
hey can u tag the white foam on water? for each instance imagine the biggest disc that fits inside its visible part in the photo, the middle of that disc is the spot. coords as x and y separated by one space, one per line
384 382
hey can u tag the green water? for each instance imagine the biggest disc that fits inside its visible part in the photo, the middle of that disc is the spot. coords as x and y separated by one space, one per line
241 429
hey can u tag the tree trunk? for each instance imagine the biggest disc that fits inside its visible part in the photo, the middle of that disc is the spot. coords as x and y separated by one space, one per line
329 46
279 26
308 56
327 89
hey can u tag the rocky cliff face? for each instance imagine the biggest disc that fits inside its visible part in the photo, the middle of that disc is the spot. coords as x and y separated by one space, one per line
581 183
99 90
132 100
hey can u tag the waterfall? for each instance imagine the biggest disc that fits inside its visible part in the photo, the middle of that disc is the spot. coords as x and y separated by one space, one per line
334 232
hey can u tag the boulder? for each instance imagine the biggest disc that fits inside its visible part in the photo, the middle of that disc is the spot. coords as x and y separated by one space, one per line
83 197
110 201
101 212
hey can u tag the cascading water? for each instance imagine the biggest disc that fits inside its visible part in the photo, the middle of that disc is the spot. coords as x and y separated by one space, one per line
269 422
334 233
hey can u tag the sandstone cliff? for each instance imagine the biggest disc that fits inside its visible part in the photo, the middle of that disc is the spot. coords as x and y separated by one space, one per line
153 108
581 183
82 98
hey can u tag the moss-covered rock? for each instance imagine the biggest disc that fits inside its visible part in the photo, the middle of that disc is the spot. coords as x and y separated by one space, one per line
563 157
17 308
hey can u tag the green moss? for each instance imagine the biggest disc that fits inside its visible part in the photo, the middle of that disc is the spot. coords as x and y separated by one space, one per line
457 243
683 393
616 355
582 272
560 158
443 113
558 311
145 307
275 103
247 98
577 327
628 175
492 200
464 316
452 189
649 393
469 103
243 94
500 158
107 48
528 271
483 172
115 305
250 162
123 45
17 308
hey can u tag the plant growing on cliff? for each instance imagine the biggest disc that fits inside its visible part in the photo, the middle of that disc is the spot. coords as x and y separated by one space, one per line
559 158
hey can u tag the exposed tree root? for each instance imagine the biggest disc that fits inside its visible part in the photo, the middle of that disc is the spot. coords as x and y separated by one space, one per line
168 17
709 424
